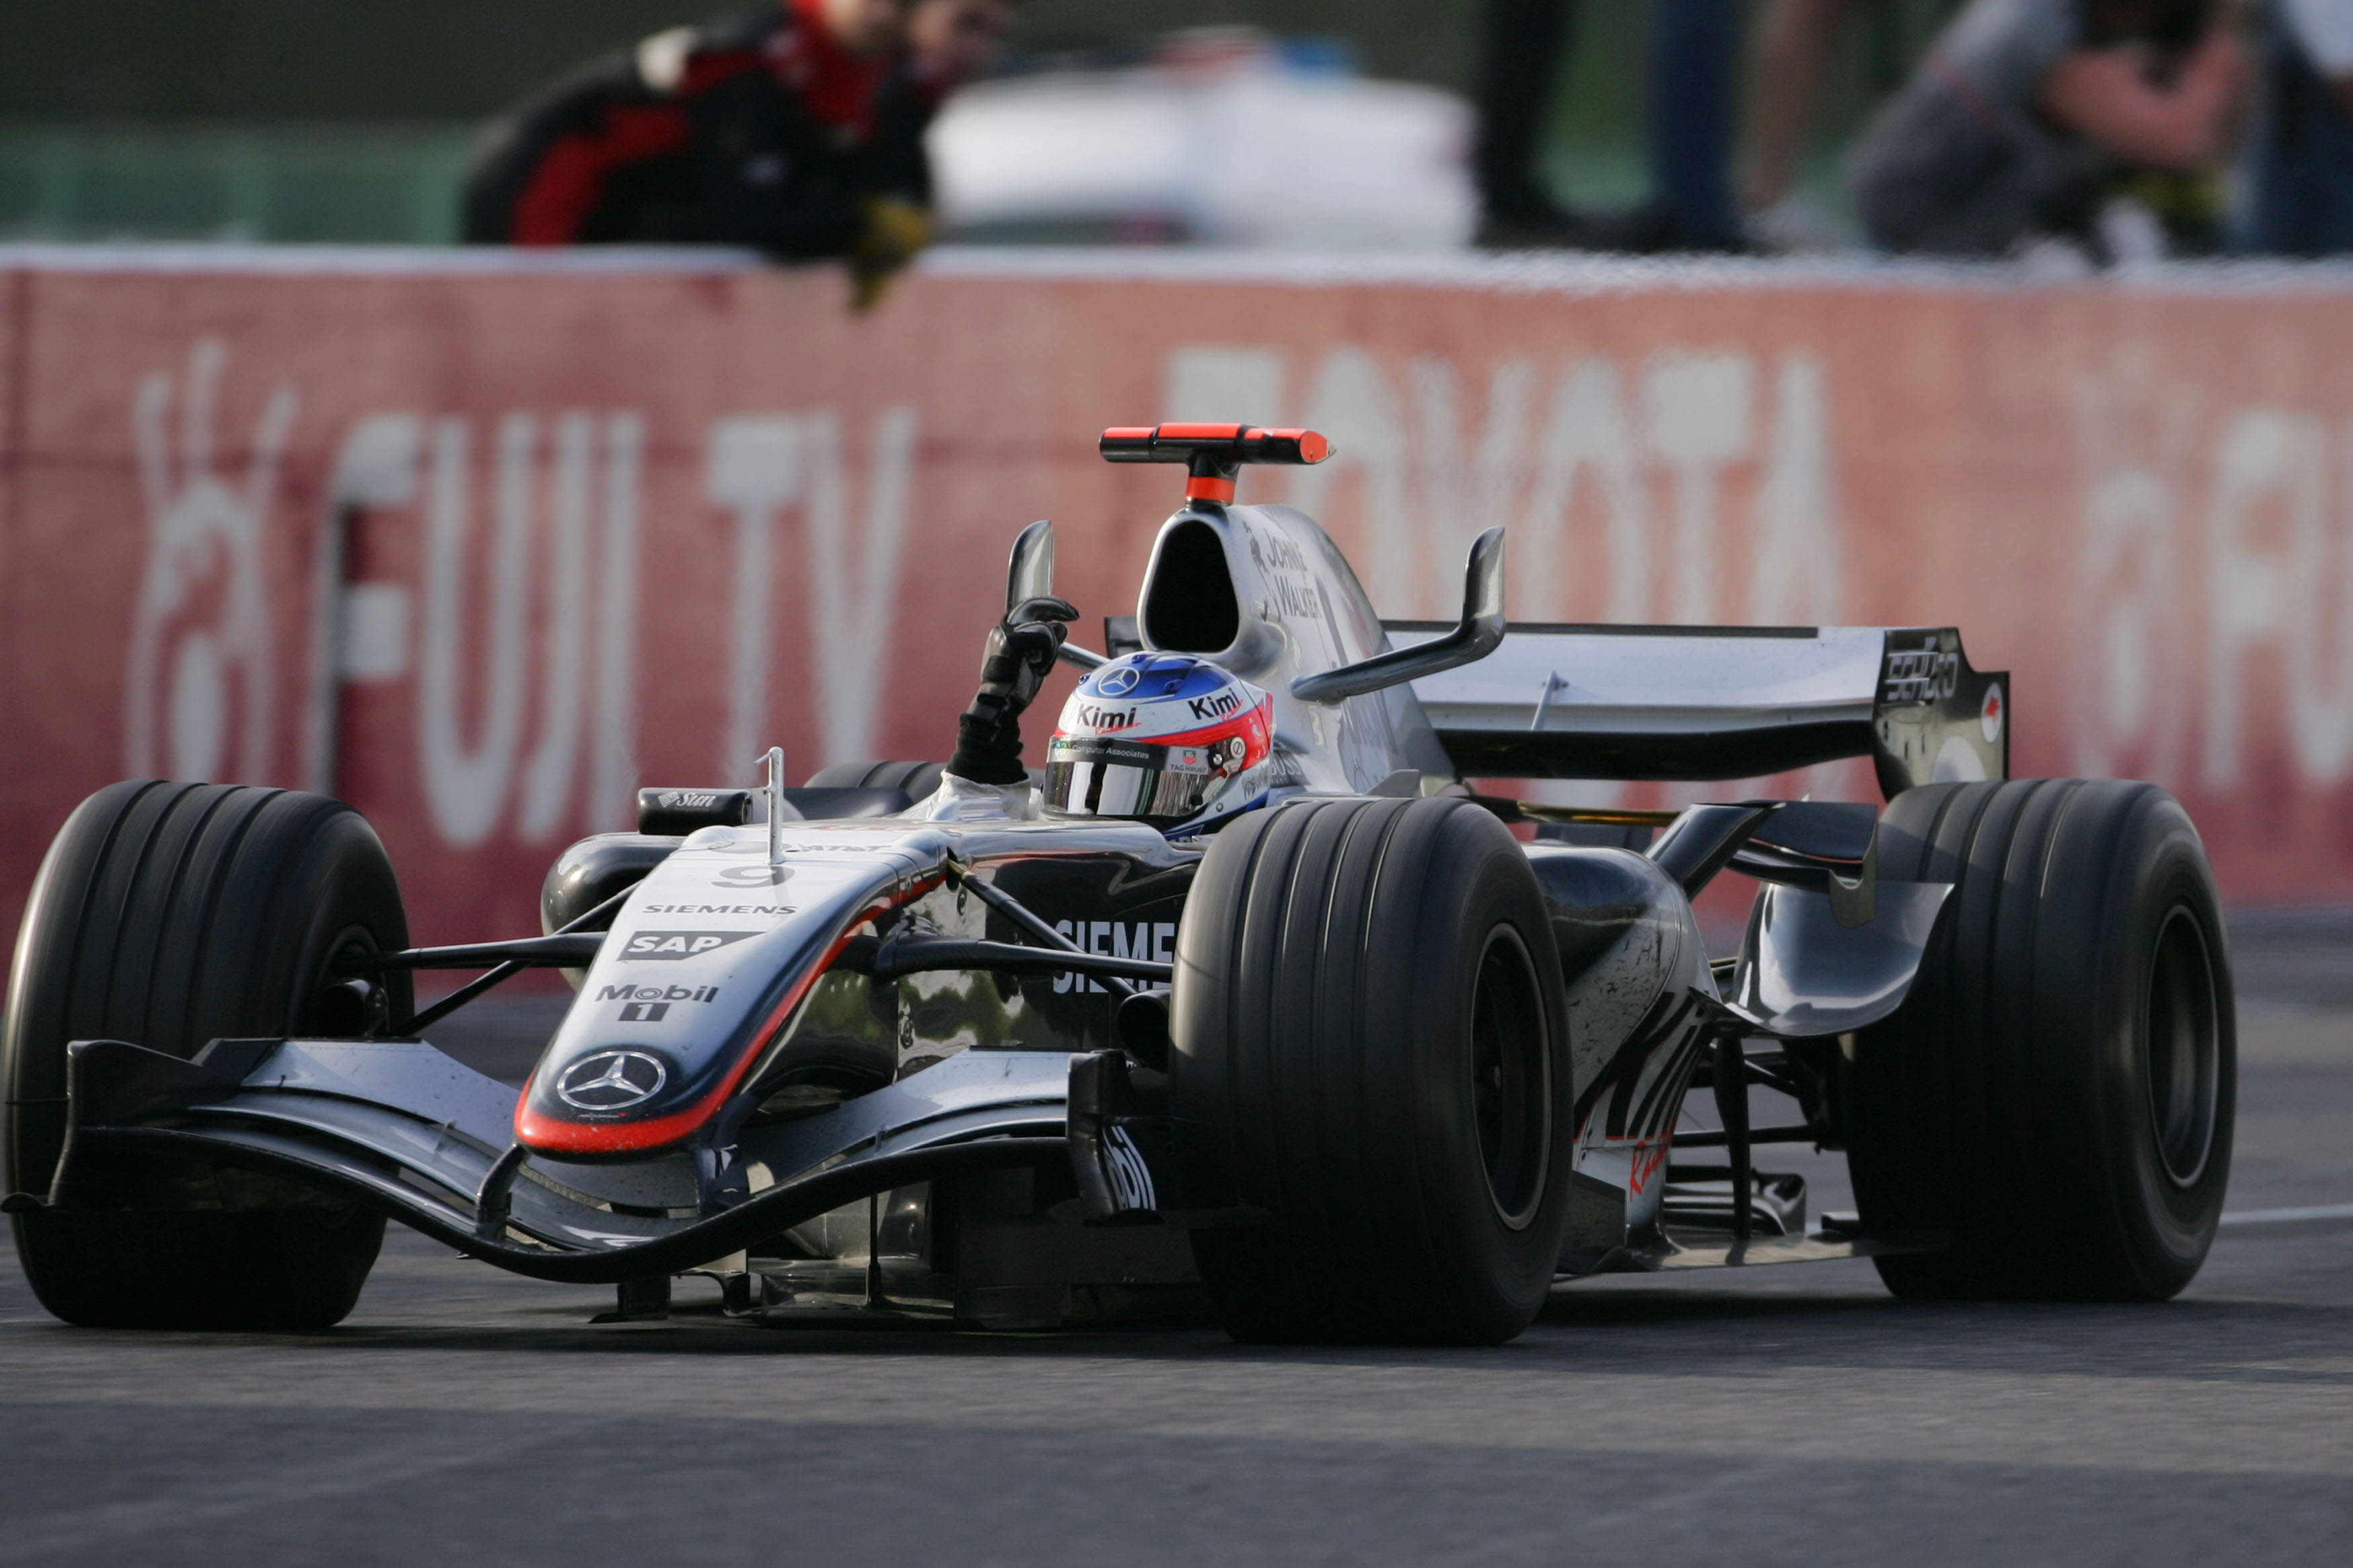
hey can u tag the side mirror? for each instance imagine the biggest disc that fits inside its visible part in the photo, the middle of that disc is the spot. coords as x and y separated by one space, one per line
1030 574
1477 635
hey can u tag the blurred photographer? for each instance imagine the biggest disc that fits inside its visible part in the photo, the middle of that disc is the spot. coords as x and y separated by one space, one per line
795 128
2026 112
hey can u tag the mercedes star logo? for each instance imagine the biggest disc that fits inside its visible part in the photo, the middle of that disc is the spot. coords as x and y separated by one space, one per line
1119 682
612 1081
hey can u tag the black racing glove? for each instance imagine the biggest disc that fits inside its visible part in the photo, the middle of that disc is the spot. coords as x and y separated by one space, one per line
1020 654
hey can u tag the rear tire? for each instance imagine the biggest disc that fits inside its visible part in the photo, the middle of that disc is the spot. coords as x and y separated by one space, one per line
171 915
2058 1090
1370 1045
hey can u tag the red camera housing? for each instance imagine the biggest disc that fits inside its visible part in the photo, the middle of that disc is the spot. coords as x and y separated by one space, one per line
1213 455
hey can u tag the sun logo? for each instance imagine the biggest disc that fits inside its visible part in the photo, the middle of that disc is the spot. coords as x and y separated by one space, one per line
201 683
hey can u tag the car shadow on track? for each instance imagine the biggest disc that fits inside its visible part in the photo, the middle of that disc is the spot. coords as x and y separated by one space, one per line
1664 1333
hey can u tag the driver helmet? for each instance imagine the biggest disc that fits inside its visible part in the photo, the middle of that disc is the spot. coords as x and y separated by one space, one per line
1162 738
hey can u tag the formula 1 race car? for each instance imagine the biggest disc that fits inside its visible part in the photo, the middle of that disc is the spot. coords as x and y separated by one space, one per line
1248 1005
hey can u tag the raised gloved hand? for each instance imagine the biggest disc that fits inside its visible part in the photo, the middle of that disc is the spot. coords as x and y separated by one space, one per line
896 233
1020 654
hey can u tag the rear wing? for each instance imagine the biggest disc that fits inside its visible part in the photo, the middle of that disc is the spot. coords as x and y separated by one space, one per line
1717 702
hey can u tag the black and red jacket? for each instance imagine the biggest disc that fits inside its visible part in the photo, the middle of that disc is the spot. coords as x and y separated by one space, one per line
754 129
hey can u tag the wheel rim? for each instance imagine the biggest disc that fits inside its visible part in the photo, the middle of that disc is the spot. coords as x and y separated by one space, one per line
1511 1079
2182 1048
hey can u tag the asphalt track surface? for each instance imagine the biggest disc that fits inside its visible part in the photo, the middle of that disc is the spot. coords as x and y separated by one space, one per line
1785 1415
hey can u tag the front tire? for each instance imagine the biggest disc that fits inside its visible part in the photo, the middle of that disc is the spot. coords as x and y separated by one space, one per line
2058 1090
171 915
1370 1048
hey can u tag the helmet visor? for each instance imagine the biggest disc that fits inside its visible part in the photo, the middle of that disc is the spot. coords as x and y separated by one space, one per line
1134 779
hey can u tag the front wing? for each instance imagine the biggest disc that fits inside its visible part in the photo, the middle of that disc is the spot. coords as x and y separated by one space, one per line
400 1128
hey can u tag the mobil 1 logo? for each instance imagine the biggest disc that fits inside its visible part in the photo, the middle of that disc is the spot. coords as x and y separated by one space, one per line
651 1004
672 945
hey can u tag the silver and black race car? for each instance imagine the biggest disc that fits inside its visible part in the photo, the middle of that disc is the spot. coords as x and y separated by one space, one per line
1247 1004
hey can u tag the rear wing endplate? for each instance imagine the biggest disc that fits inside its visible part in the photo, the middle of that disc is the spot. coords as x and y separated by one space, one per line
1717 702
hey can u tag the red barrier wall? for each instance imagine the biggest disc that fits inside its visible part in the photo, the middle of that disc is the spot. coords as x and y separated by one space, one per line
604 520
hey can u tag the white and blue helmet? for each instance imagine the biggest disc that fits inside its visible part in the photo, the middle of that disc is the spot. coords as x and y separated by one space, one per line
1163 737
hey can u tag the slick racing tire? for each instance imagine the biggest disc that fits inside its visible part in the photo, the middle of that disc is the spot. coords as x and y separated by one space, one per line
171 915
917 781
2058 1089
1371 1061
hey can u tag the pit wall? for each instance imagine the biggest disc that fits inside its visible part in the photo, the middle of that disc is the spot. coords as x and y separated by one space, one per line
482 543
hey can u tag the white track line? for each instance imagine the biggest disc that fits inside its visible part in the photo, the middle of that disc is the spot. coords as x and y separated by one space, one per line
2288 1217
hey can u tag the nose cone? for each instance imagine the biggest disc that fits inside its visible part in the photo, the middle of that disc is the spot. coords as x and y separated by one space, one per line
706 965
